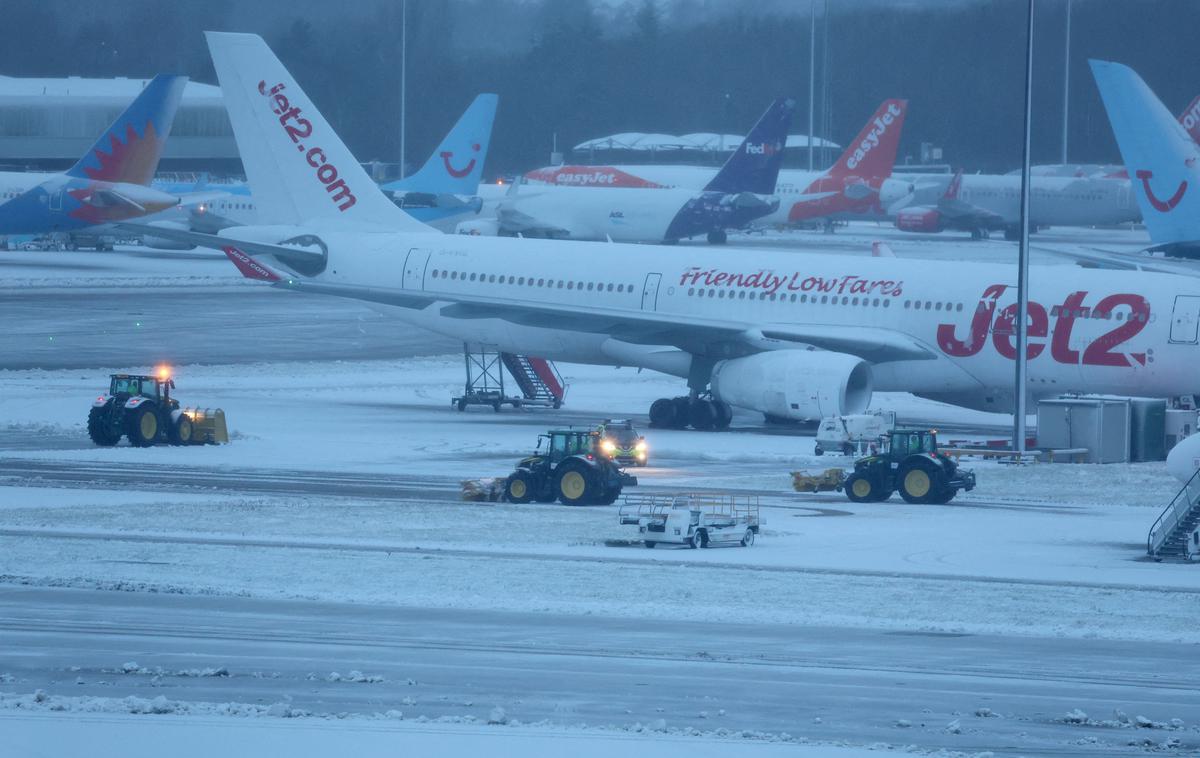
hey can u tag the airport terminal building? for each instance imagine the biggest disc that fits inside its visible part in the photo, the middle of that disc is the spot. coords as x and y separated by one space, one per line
47 124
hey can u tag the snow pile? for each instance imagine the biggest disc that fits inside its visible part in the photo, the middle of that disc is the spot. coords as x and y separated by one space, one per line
132 667
1121 720
356 677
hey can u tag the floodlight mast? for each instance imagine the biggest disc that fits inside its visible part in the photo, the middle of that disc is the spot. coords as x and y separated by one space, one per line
1022 319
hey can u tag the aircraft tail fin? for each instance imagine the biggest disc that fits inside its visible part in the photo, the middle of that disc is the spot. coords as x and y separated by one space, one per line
1190 118
1162 159
129 149
456 167
299 169
873 151
953 188
754 166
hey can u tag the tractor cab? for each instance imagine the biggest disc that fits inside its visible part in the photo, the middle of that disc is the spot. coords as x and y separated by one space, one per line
562 444
150 387
901 444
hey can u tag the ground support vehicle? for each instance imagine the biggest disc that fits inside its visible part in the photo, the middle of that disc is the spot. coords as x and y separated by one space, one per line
140 408
572 469
620 441
693 520
911 463
857 432
833 479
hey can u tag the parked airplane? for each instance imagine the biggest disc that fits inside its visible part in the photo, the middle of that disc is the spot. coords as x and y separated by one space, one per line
442 193
1160 152
792 337
445 191
741 192
848 189
109 183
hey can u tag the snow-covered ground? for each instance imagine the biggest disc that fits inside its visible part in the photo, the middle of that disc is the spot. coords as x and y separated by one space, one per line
340 485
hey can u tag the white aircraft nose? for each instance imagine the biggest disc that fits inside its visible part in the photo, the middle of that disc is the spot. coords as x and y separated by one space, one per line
1184 458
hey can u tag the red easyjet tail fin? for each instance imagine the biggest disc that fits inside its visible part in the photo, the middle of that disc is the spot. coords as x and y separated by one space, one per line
954 186
873 151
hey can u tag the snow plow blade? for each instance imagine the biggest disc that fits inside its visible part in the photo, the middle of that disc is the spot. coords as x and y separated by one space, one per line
208 426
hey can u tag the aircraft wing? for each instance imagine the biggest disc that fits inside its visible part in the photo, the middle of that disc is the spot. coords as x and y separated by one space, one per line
958 212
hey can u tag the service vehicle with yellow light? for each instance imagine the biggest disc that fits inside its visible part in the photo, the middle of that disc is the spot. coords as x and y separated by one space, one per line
620 441
140 408
572 470
911 463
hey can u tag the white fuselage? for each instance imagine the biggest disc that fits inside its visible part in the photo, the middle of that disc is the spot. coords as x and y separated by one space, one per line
599 213
1091 330
1053 200
14 183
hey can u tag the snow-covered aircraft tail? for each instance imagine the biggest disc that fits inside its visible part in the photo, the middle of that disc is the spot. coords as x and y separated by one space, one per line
456 167
1162 159
298 168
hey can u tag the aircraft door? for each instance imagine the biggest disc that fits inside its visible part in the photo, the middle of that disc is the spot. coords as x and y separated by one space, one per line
56 200
650 292
1185 320
414 269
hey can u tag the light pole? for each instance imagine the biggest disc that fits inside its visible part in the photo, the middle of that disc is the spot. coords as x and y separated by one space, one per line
812 79
1066 83
1022 314
403 80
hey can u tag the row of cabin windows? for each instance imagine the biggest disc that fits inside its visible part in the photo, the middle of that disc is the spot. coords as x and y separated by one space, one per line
530 281
786 298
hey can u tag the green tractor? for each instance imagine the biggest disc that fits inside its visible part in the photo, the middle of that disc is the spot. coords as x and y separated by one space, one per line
909 462
140 408
572 470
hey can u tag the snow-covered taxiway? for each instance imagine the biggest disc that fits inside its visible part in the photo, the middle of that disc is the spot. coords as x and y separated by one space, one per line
318 583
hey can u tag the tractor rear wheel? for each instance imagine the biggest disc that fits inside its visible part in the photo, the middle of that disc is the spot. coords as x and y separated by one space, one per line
181 431
920 481
609 496
141 425
518 488
574 484
98 427
944 496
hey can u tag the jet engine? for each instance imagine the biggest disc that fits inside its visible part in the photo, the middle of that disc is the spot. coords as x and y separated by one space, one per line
795 384
920 220
160 243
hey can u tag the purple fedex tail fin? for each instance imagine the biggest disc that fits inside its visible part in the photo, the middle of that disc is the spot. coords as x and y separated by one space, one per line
754 167
129 150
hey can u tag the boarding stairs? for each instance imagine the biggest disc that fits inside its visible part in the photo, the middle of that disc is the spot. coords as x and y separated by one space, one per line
1175 534
537 378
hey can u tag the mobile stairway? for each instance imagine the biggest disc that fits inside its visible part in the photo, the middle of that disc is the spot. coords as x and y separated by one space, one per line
537 378
1176 533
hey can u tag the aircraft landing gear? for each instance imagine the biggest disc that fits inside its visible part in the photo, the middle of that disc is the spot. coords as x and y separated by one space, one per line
717 237
700 414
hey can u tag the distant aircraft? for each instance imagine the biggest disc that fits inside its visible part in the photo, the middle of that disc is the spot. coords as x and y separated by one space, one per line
740 192
982 203
109 183
850 188
445 190
441 194
1160 152
798 337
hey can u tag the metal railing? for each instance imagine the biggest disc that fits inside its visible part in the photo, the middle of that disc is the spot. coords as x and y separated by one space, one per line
1176 512
729 505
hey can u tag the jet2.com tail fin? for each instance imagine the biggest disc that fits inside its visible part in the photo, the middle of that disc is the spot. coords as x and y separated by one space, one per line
1162 160
456 167
129 150
298 168
873 151
754 166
